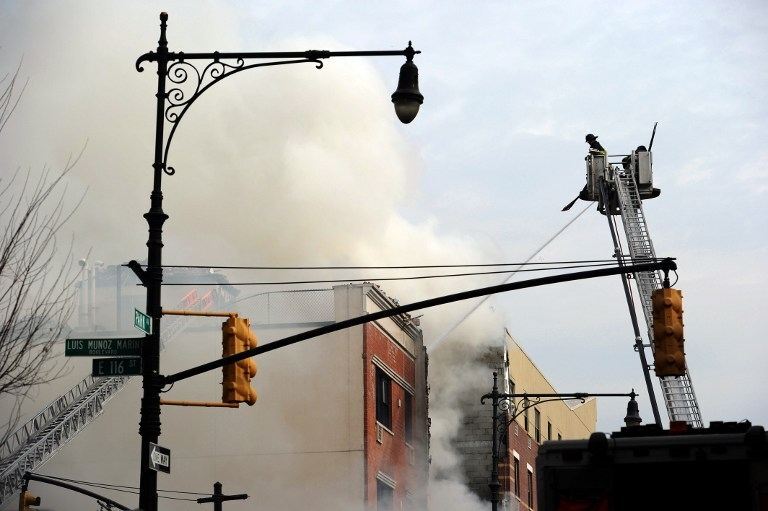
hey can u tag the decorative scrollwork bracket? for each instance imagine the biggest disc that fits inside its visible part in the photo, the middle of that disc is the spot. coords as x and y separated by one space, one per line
187 78
506 408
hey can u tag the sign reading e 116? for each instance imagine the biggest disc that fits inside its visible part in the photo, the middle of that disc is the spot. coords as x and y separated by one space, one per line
130 347
116 366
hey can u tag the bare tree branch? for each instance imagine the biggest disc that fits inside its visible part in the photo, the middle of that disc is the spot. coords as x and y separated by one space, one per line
37 292
8 99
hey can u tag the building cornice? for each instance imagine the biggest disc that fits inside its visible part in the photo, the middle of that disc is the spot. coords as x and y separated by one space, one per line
404 321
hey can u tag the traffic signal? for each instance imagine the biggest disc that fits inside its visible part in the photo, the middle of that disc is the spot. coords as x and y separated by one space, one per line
236 338
668 354
26 499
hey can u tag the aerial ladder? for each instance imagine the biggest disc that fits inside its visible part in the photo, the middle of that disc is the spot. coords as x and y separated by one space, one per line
40 438
619 189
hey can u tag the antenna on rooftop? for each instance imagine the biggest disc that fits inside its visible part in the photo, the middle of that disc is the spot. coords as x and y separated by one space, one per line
653 134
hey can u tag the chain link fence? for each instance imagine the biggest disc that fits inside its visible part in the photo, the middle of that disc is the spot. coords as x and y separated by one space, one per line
292 307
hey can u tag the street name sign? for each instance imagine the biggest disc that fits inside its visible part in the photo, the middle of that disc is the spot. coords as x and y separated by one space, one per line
101 347
159 458
116 367
142 321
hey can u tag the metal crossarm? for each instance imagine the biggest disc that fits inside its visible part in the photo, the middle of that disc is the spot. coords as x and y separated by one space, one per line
678 392
42 436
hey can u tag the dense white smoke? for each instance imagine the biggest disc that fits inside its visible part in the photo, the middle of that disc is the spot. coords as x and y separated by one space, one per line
458 380
283 166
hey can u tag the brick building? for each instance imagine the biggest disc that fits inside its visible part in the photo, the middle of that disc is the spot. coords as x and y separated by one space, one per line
395 408
557 420
340 423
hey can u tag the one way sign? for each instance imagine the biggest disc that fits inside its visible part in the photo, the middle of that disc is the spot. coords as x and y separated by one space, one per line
159 458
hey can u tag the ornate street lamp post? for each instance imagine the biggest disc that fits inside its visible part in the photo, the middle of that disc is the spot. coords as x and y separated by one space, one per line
179 83
506 410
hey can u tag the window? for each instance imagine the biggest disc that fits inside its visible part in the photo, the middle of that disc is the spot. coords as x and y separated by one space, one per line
517 477
537 425
383 398
512 390
408 411
384 496
530 489
549 430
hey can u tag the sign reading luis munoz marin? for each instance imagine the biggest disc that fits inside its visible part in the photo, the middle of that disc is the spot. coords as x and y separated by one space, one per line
129 347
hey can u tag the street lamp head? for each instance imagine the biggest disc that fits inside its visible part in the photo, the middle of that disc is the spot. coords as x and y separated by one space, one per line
633 412
407 98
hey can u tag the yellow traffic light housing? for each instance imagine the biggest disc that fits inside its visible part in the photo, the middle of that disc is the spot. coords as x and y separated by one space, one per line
668 353
26 499
236 338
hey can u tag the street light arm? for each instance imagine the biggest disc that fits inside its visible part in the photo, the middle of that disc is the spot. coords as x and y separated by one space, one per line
506 401
151 56
527 396
192 81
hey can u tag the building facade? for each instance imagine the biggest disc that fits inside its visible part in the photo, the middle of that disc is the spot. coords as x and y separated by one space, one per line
395 422
556 420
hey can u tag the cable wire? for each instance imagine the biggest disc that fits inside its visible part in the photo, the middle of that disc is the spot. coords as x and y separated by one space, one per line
120 487
612 262
179 498
396 267
482 300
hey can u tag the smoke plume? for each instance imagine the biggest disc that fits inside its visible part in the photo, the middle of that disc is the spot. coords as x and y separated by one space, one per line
284 166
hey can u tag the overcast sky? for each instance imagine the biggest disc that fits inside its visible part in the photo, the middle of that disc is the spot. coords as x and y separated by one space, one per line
306 166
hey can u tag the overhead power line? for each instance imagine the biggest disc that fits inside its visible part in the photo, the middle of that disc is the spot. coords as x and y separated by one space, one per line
666 265
380 279
121 487
483 299
394 267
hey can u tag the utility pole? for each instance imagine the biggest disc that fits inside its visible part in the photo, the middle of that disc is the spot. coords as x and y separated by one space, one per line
217 498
